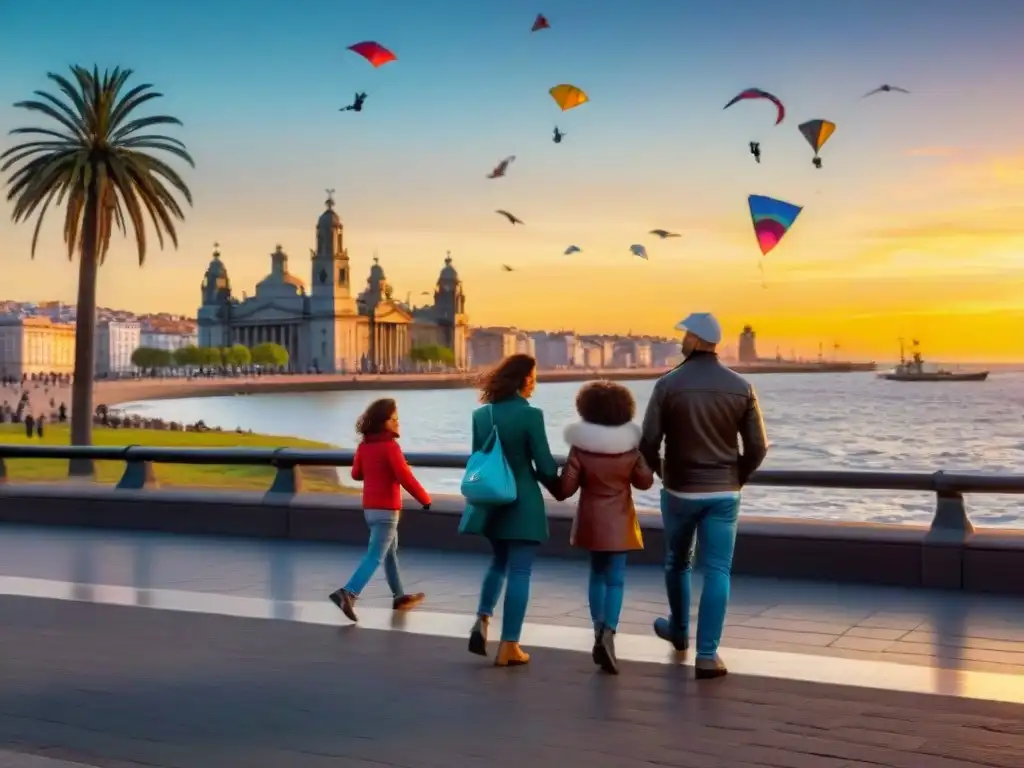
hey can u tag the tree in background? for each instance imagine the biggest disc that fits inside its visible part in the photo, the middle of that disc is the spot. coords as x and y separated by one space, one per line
99 158
149 358
190 356
210 357
432 353
237 356
270 355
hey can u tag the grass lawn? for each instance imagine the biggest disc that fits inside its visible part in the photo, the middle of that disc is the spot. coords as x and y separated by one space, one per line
226 476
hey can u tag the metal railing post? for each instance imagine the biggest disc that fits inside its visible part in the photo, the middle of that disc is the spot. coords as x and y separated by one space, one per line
287 479
138 475
942 557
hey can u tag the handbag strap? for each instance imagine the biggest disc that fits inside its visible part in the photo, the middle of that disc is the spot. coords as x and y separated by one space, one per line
490 413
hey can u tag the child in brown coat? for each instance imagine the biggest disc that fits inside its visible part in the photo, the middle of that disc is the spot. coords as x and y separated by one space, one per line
605 465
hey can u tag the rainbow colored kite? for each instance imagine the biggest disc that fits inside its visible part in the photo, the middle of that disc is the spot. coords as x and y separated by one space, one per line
772 219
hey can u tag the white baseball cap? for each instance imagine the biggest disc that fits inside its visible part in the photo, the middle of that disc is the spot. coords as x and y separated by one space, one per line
703 325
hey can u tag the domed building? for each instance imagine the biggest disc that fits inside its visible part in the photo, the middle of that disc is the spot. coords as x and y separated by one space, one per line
326 328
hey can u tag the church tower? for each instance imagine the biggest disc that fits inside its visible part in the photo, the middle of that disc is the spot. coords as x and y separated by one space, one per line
334 317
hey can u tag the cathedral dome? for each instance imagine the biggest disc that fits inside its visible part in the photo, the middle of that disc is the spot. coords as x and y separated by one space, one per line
448 278
329 219
216 268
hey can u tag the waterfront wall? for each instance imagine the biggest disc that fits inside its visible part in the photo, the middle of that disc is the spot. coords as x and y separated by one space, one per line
899 555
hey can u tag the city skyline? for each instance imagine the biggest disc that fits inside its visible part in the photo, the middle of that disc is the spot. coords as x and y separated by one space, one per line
910 228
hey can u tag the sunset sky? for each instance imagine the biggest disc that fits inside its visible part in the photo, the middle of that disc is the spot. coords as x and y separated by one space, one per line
914 226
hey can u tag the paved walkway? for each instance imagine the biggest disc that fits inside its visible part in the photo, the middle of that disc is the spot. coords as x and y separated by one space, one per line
122 686
944 630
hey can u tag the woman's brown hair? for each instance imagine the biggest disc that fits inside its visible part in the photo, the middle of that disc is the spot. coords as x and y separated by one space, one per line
606 403
506 378
376 416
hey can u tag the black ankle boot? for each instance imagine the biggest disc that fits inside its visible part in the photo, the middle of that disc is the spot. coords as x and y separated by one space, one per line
604 652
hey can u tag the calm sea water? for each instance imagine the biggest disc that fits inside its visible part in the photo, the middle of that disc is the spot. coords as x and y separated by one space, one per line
814 421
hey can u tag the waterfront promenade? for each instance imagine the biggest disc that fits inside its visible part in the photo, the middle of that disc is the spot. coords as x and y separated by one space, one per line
140 649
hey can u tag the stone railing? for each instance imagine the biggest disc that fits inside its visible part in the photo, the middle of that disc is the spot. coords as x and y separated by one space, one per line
948 553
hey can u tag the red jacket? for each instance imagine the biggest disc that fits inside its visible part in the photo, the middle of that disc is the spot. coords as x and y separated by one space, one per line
381 466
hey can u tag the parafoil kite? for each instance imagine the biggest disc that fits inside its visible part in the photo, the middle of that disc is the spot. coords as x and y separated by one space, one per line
572 249
638 250
817 132
568 96
757 93
540 23
501 168
375 53
772 219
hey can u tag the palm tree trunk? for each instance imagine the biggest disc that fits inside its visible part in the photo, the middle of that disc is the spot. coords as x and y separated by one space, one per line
85 340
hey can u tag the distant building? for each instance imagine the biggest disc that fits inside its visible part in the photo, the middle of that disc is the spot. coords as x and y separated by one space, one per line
330 329
115 343
525 344
748 345
169 335
36 345
488 346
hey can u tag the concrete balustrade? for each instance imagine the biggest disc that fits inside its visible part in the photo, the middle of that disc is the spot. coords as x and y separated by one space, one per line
950 553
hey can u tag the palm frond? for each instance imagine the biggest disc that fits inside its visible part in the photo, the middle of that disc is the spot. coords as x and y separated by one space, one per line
98 153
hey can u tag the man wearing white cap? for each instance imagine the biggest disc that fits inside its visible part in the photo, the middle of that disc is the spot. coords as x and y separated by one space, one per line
701 410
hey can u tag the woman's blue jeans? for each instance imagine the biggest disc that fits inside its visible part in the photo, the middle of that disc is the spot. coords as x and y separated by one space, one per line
381 548
607 588
512 560
713 523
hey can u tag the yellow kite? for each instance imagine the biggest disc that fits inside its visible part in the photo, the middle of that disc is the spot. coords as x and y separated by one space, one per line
568 96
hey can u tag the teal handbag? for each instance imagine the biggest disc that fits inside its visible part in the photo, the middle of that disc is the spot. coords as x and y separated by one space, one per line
489 481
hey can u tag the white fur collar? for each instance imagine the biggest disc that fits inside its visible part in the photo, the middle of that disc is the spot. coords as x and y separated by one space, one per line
597 438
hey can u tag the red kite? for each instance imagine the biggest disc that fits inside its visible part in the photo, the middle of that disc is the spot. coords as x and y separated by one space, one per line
541 22
375 53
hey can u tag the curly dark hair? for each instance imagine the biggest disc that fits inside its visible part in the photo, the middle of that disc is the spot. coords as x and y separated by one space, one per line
606 403
376 416
506 378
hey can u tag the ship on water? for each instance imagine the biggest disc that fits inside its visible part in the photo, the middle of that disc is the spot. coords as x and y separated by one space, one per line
914 370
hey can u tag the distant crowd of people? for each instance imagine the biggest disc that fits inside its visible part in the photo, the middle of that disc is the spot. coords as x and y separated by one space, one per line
33 408
702 434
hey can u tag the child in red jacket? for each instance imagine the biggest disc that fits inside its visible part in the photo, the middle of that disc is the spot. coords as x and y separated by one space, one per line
382 467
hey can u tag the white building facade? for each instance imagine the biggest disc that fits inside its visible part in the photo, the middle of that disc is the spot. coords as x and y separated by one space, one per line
36 345
170 338
116 341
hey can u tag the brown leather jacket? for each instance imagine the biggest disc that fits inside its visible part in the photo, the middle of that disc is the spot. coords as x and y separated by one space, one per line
604 464
701 410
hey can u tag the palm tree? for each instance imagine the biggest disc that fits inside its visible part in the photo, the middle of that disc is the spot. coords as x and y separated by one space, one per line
98 158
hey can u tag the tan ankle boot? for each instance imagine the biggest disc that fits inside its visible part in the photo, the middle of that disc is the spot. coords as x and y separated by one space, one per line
511 655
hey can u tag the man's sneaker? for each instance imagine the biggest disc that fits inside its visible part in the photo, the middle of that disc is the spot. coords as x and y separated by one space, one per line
663 628
346 601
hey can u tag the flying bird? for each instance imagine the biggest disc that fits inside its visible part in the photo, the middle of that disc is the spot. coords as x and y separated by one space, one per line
356 105
500 168
885 89
511 219
424 293
638 250
558 136
572 249
506 267
663 233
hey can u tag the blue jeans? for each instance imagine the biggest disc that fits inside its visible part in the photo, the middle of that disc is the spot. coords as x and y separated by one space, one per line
713 523
382 548
513 559
607 587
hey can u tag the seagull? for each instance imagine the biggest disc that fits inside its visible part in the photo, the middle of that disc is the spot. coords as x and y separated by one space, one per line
511 219
506 267
424 293
885 89
500 168
663 233
572 249
638 250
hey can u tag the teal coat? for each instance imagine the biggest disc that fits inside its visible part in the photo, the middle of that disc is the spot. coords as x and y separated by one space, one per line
525 442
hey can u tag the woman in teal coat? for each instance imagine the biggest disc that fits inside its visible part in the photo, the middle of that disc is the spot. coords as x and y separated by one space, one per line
514 530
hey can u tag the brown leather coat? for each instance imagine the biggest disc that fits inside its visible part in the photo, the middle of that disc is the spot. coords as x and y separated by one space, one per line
604 465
